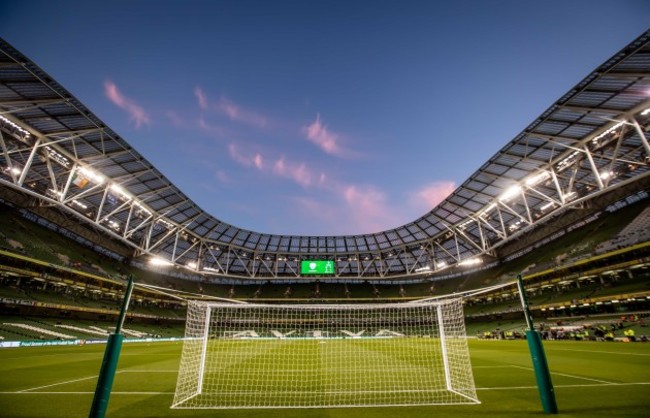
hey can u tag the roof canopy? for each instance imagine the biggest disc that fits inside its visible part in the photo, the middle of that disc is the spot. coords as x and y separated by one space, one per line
590 141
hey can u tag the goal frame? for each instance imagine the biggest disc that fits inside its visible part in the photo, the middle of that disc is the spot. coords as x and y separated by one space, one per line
195 363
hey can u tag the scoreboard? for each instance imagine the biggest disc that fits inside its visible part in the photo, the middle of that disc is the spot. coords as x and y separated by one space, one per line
308 267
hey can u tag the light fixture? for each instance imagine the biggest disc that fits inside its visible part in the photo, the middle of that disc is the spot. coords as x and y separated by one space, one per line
548 205
606 174
81 205
471 262
92 175
119 190
157 261
569 196
141 207
610 130
511 192
537 178
16 127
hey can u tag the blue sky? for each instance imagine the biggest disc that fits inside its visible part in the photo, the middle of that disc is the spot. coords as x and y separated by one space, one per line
319 117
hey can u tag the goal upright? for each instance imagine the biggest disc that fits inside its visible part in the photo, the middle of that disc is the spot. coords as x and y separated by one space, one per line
310 356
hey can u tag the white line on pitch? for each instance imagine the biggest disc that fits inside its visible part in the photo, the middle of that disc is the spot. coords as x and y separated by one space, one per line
597 351
567 375
85 393
56 384
148 371
593 385
491 367
51 355
492 388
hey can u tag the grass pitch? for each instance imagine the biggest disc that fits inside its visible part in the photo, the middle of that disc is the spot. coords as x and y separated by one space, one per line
591 380
308 372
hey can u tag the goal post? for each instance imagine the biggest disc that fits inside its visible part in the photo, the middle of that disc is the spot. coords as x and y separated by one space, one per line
312 356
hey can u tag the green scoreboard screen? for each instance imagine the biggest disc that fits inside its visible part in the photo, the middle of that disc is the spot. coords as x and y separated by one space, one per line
317 267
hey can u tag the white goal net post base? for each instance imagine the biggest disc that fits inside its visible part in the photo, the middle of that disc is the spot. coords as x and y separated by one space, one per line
317 356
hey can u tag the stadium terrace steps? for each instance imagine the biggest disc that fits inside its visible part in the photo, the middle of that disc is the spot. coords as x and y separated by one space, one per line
82 330
40 330
134 333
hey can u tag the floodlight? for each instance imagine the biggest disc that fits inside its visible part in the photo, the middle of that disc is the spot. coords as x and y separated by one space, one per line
511 192
157 261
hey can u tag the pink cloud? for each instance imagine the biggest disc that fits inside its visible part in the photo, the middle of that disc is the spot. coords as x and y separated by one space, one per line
137 113
347 209
247 159
318 133
258 162
369 208
298 172
431 195
201 97
212 130
238 114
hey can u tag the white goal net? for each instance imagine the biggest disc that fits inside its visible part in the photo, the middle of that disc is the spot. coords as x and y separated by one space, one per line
311 356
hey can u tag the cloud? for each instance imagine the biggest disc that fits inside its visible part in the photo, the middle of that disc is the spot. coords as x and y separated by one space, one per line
356 208
246 159
298 172
349 207
326 140
431 195
233 111
201 97
137 113
210 129
346 209
258 162
369 208
237 113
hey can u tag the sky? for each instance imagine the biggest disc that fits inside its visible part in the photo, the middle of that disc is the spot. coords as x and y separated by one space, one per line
319 117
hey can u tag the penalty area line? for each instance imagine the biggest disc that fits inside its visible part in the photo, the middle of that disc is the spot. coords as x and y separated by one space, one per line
148 371
572 376
478 389
56 384
88 378
597 351
569 386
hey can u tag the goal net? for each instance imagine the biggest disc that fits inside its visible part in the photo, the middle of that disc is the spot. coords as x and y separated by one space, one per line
311 356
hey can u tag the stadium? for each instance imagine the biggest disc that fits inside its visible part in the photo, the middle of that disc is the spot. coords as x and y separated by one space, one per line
425 318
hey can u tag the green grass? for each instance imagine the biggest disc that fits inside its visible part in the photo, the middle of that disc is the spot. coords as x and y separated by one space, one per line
308 372
592 379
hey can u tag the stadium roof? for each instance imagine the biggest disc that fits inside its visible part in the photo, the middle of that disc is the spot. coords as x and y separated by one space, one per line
591 140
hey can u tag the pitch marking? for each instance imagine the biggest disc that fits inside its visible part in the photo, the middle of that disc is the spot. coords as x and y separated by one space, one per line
568 375
56 384
570 386
482 389
148 371
597 351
